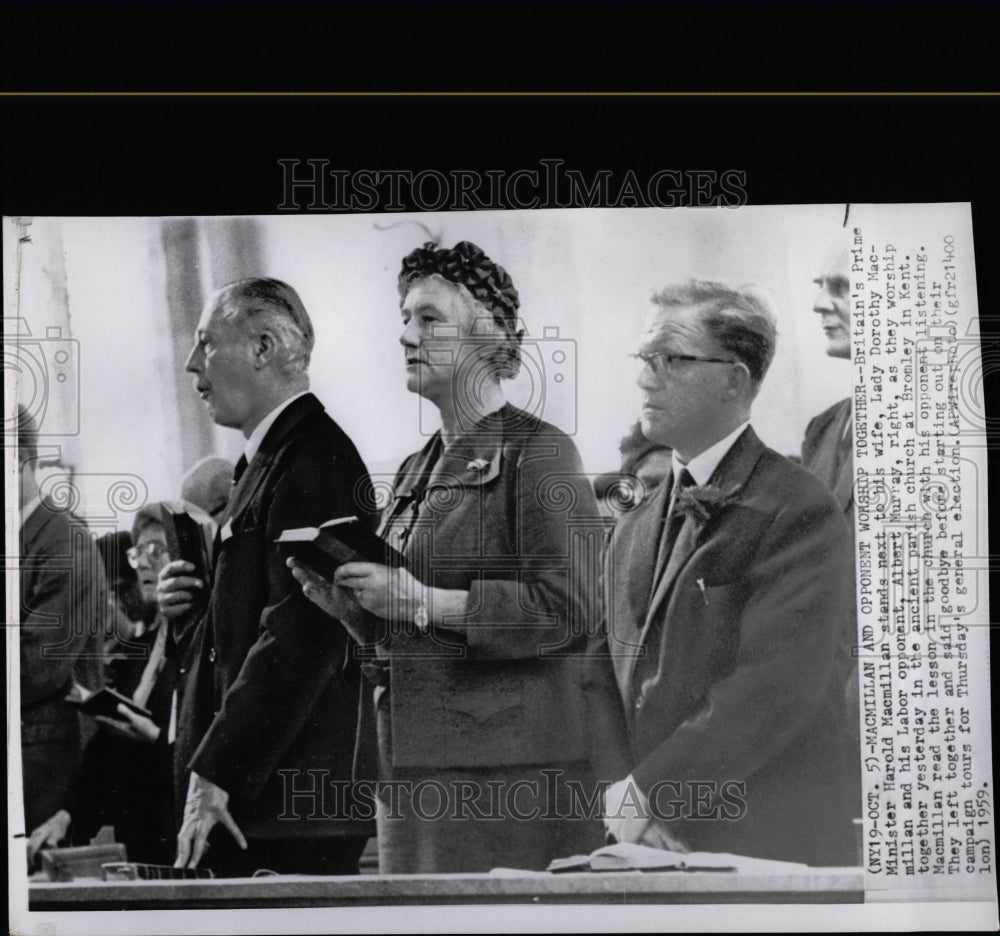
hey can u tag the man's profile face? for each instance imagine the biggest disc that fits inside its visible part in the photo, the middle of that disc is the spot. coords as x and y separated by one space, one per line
222 361
677 406
833 305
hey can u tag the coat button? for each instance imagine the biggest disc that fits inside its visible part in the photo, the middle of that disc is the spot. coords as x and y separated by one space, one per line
211 655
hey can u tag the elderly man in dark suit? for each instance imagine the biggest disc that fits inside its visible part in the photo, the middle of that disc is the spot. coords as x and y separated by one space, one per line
63 613
725 598
828 452
267 721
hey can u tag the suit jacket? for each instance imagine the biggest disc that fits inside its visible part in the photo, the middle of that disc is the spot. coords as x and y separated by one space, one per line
63 614
510 517
725 662
827 451
270 693
830 457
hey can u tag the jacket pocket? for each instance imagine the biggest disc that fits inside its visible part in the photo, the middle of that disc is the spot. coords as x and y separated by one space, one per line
479 708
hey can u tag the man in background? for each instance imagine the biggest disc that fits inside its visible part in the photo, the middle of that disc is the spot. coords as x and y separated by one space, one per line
62 623
269 706
828 452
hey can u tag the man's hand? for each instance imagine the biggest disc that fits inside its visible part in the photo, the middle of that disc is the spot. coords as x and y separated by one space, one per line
175 591
49 834
206 805
626 811
135 726
656 836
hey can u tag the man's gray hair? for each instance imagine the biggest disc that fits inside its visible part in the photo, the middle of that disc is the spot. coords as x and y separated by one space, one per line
738 319
260 304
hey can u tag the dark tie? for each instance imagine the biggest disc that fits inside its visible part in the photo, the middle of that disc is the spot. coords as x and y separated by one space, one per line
241 466
672 521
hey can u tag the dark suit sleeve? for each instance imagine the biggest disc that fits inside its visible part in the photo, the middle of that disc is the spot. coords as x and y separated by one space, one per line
550 602
299 650
64 606
796 591
607 730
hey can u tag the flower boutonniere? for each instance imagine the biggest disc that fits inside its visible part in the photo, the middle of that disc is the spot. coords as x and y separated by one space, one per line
704 501
477 465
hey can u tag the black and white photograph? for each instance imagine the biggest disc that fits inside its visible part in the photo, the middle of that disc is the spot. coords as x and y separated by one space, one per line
484 553
473 503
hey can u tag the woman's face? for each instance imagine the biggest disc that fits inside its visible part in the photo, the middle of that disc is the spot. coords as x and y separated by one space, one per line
444 340
150 556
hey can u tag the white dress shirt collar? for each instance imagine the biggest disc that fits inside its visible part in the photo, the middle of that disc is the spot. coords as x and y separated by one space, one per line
703 466
257 436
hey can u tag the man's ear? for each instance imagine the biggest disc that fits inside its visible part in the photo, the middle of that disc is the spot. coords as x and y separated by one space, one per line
265 349
739 383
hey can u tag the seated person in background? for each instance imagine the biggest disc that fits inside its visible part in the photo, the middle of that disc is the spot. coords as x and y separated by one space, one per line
125 604
127 777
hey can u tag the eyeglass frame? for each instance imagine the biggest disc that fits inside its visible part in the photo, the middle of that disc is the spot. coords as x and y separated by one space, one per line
669 358
134 553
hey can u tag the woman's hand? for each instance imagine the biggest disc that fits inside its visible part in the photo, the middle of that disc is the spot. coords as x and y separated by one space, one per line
338 602
134 726
175 590
389 593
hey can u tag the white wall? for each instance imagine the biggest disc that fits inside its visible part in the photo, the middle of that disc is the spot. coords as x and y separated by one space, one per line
585 276
590 275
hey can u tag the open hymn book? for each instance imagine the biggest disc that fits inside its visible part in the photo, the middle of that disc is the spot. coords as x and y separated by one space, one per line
624 856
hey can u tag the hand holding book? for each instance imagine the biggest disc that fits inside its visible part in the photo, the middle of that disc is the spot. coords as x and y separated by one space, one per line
342 562
345 569
335 600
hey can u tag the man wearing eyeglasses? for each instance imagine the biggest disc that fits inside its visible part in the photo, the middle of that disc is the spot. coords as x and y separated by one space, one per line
724 594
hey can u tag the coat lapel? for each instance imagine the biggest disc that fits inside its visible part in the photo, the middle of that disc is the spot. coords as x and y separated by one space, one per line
629 569
732 472
844 481
259 466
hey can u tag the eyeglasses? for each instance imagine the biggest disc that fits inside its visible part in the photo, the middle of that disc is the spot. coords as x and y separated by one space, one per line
153 551
662 362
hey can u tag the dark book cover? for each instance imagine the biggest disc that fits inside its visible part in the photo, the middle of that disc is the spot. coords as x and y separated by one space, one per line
186 540
105 702
327 547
